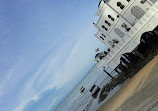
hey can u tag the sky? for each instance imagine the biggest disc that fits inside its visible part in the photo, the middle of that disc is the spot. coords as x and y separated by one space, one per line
46 48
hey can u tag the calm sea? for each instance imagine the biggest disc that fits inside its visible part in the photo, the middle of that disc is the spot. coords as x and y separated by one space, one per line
77 101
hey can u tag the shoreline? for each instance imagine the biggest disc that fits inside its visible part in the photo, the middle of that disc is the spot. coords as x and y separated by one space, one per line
138 92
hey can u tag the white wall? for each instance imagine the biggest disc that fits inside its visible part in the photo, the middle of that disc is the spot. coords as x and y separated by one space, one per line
132 38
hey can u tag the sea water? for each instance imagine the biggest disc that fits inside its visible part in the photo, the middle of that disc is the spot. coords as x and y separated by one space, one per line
77 101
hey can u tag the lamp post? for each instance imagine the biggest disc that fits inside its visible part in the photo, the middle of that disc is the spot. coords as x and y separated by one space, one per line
108 73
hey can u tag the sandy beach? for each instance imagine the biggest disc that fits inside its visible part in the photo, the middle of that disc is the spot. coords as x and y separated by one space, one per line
138 93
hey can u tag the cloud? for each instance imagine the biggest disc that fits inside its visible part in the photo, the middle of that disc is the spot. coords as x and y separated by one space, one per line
42 66
25 102
8 82
43 72
56 69
65 72
37 77
45 100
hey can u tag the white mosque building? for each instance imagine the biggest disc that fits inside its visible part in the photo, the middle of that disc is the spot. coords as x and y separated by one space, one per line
120 26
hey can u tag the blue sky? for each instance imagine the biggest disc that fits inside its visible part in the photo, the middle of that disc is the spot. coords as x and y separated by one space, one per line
46 48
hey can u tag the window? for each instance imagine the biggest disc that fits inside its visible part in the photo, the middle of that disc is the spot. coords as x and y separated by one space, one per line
101 37
107 23
137 12
110 17
122 6
119 32
119 4
104 27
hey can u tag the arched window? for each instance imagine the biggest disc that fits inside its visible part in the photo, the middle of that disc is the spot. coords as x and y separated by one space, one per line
119 32
137 12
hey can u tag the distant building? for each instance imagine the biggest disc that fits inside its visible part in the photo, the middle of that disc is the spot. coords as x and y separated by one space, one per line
121 24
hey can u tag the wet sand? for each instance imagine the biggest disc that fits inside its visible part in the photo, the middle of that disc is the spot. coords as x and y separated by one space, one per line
138 92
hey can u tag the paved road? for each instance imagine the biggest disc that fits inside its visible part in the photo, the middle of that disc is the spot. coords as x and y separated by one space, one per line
138 93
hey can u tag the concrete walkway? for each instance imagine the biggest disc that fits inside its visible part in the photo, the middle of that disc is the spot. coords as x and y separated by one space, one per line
138 93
